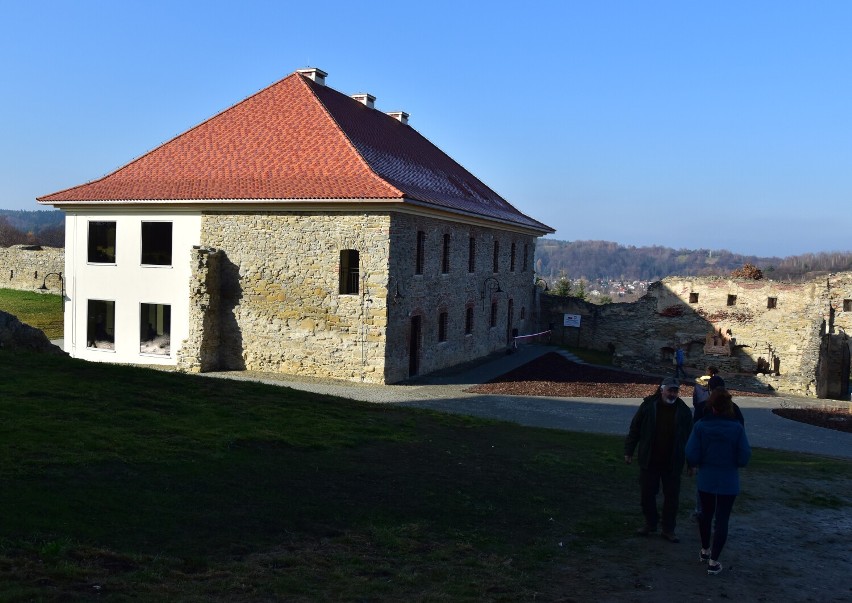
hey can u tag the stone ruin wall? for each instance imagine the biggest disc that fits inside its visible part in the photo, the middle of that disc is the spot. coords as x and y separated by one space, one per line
23 267
747 334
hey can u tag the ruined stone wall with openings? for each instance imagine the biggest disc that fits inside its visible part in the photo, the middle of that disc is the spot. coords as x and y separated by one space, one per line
454 289
23 267
279 306
762 333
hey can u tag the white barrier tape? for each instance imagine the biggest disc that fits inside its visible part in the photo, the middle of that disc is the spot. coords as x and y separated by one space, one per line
533 335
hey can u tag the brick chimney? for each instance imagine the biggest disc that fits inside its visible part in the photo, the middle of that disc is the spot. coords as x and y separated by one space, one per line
399 115
312 73
366 99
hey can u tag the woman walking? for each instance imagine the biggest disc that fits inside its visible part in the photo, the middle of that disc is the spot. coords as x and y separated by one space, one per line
718 447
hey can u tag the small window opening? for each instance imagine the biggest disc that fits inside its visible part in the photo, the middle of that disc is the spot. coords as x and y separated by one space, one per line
468 321
523 312
526 266
101 243
847 305
496 258
771 303
732 300
155 326
512 250
693 298
100 324
471 255
157 243
348 272
445 255
443 319
420 252
493 320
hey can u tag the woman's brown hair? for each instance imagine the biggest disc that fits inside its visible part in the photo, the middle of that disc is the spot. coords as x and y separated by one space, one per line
721 402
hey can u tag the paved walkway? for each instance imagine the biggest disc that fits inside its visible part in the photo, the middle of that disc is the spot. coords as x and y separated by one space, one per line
445 393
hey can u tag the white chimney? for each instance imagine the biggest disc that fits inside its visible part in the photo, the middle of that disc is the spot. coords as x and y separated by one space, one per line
399 115
366 99
312 73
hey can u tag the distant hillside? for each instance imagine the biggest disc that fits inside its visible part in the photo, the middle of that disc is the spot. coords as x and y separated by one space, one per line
593 260
32 227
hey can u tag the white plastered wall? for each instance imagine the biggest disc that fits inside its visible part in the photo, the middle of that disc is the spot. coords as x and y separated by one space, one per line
127 283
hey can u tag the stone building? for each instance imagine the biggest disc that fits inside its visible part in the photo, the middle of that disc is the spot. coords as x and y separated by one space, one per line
789 337
300 231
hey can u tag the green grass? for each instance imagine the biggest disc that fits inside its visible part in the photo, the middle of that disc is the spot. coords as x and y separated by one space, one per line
42 311
129 483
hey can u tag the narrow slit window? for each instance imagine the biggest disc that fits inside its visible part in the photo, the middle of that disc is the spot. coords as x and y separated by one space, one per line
101 243
348 272
445 255
512 250
420 253
157 243
443 319
496 257
155 326
471 255
525 265
100 324
771 303
493 320
732 300
468 320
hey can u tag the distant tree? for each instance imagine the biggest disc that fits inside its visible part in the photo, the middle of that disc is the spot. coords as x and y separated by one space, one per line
581 289
9 235
605 299
562 287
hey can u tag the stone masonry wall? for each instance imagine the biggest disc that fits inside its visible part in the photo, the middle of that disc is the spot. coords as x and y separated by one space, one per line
689 311
434 292
23 267
200 351
280 307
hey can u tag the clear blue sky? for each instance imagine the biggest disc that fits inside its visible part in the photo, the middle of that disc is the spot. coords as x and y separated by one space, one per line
684 124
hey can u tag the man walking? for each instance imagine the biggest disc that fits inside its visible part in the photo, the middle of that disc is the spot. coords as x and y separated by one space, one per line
660 429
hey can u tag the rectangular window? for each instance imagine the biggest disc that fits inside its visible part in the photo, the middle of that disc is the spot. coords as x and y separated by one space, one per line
442 326
693 298
155 325
732 300
100 324
771 303
445 255
420 253
512 257
847 305
493 320
496 259
468 320
526 265
157 243
102 242
471 255
348 272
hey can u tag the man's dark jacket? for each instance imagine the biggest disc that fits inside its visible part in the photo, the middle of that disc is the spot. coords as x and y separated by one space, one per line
643 427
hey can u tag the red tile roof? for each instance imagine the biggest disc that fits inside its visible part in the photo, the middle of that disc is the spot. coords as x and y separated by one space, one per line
299 140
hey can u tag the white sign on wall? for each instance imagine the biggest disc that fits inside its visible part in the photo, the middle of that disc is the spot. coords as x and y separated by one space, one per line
571 320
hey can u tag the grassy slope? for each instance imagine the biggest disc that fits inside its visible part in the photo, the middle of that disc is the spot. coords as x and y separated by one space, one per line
42 311
133 483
